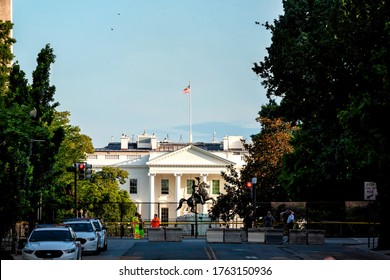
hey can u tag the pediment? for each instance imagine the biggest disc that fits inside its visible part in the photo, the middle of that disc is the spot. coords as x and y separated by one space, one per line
189 156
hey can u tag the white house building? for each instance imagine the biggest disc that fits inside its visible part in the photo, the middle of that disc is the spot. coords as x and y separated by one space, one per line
161 173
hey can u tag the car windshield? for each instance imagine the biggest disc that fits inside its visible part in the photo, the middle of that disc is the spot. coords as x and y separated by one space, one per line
50 235
82 227
97 225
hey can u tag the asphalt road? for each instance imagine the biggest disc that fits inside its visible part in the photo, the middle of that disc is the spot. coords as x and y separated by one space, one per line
199 249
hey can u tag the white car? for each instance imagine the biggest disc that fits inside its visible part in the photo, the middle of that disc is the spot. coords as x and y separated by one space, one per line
102 230
87 234
52 242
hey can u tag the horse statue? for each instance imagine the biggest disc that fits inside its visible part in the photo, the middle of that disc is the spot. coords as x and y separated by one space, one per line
198 196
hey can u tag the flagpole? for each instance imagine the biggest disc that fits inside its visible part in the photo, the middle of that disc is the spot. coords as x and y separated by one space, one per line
190 112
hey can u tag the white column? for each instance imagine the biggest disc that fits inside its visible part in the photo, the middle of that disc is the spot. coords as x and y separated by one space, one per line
151 194
204 179
177 190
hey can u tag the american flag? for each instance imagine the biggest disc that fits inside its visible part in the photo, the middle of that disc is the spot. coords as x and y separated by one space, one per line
187 90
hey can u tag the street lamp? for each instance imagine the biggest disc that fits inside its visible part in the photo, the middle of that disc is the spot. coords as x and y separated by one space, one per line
39 210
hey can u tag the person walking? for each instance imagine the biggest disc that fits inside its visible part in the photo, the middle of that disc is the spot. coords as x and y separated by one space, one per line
155 221
141 226
290 220
135 221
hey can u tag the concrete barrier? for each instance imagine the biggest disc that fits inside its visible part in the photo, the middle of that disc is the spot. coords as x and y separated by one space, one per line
297 237
244 234
215 235
256 235
315 237
232 235
173 234
156 234
274 236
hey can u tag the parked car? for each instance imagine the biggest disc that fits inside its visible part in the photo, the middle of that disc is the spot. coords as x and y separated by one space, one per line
87 233
52 242
103 244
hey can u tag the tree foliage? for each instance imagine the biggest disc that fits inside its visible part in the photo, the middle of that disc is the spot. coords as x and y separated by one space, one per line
101 197
264 161
37 147
328 64
234 201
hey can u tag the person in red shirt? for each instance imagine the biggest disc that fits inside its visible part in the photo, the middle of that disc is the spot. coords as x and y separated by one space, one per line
156 221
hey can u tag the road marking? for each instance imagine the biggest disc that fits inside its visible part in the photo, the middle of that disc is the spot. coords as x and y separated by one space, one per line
210 253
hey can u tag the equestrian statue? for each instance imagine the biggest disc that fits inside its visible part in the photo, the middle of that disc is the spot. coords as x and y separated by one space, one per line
199 195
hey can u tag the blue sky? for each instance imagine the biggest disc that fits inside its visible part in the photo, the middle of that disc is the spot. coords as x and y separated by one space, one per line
121 65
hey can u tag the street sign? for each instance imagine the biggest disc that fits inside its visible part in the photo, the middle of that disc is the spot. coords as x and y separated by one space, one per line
254 180
370 191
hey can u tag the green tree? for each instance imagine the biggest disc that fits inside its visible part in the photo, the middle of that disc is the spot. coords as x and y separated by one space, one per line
46 139
235 201
328 63
74 148
14 140
102 197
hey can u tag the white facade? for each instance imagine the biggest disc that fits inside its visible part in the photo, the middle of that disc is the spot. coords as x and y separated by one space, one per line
162 173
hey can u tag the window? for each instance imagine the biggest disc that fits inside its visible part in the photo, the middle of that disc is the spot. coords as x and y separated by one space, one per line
111 156
92 157
133 157
189 185
215 186
164 186
133 186
164 215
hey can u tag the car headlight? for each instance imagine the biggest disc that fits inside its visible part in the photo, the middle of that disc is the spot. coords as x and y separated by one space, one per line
28 251
69 251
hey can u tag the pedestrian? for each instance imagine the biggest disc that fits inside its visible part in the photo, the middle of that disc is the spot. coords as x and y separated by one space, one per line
288 218
141 226
135 221
248 220
155 222
268 219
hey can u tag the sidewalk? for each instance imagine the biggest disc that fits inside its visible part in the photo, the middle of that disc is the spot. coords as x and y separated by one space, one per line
361 244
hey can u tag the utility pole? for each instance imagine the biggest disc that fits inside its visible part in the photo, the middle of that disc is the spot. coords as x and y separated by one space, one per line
75 191
254 183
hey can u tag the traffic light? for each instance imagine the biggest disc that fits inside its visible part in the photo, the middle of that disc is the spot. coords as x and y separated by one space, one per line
249 186
88 171
81 167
